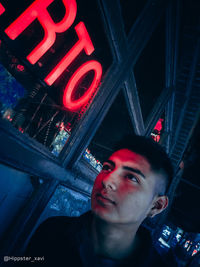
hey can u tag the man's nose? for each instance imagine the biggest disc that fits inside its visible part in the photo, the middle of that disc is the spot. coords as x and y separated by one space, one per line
110 181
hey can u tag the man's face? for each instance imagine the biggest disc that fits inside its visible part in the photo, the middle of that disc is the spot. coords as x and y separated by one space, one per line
124 191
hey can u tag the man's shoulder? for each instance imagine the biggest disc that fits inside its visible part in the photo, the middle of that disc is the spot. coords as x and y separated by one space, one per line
52 226
58 222
62 223
55 233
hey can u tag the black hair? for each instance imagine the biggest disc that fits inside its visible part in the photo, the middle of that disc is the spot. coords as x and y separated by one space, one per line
152 151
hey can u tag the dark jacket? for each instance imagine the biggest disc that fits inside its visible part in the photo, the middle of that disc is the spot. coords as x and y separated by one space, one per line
65 241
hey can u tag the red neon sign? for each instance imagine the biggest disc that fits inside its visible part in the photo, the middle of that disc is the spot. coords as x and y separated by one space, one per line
81 71
84 42
38 10
2 9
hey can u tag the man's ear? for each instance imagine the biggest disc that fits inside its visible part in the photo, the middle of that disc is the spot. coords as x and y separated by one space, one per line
159 205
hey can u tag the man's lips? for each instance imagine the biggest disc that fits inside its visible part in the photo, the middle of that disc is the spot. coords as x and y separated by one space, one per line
104 199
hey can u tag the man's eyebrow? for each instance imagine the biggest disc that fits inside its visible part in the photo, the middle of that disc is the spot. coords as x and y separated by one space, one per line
126 168
134 170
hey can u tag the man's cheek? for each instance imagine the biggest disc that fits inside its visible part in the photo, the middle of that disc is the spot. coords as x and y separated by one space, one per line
98 181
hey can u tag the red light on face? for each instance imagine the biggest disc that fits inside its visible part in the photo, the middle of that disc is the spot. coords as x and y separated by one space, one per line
38 10
84 42
2 9
74 105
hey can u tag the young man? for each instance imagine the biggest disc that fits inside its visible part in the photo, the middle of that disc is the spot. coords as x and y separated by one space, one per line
130 188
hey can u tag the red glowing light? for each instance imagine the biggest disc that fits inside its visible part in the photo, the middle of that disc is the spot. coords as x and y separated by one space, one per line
155 137
2 9
69 127
157 130
20 129
20 68
159 126
74 105
38 10
194 252
62 126
84 42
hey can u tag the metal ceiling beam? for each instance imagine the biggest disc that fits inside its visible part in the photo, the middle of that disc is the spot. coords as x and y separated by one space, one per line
118 35
189 183
157 110
115 78
172 40
176 180
121 47
151 14
166 99
133 103
188 90
115 24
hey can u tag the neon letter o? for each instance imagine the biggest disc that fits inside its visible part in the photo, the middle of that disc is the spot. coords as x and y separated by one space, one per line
74 105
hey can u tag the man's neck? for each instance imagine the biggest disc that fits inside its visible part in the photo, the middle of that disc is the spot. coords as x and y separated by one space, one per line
112 240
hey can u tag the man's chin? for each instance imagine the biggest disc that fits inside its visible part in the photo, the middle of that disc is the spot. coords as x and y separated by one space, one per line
103 214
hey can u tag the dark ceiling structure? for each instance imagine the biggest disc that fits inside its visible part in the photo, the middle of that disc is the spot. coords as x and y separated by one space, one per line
177 42
184 151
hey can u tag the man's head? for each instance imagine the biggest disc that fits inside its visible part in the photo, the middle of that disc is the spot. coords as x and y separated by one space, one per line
132 183
153 153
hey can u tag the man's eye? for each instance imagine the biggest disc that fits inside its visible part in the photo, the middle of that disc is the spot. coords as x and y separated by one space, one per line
131 177
106 167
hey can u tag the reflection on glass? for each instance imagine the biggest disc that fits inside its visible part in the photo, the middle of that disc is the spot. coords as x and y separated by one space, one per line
34 110
66 202
60 75
184 244
10 93
61 138
131 10
92 160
